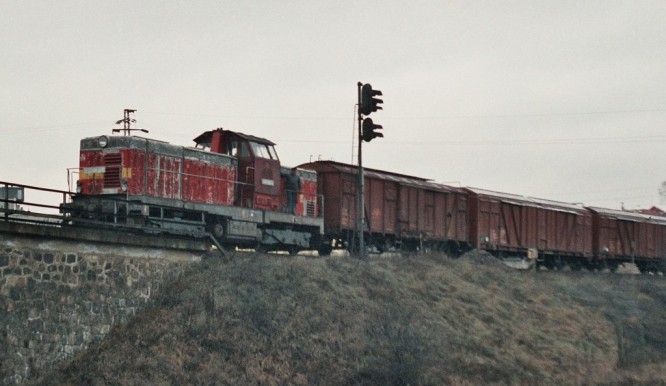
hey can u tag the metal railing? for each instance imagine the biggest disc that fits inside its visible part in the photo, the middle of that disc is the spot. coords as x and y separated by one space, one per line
21 207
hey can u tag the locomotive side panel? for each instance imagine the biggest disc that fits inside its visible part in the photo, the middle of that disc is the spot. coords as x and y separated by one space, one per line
308 201
106 166
140 167
91 172
193 181
208 177
163 171
133 171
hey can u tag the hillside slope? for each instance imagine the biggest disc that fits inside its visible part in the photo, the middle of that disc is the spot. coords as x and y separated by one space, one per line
272 320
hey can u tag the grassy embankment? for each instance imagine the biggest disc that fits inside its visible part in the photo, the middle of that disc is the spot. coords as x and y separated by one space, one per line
427 320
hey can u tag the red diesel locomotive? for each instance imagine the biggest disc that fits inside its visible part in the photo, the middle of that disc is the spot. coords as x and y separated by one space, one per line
229 187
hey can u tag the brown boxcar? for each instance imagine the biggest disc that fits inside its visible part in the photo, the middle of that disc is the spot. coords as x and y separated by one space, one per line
435 213
508 224
402 212
621 236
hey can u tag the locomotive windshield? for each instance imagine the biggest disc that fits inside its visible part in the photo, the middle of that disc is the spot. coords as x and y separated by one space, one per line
263 150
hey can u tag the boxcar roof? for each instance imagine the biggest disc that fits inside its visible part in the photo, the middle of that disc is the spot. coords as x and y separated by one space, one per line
499 195
558 205
517 199
628 216
334 166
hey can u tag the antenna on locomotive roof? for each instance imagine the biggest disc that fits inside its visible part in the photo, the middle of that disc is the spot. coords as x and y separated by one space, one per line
127 123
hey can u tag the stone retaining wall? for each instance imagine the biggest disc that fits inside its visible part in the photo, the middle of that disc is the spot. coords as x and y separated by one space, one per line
56 298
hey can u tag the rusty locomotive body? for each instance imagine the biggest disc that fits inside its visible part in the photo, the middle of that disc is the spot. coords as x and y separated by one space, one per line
231 187
228 187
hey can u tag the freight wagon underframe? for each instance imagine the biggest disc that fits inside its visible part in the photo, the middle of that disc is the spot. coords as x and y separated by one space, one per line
402 242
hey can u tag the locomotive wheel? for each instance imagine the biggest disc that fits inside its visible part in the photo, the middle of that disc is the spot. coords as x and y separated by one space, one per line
218 231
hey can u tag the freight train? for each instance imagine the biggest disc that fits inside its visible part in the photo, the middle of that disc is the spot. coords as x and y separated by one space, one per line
231 187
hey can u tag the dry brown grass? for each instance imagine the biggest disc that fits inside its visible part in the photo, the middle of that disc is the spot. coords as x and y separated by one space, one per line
401 321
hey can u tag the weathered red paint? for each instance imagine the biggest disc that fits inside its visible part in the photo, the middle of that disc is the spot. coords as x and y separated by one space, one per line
157 169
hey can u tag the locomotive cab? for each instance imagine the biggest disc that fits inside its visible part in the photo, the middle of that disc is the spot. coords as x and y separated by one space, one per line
258 181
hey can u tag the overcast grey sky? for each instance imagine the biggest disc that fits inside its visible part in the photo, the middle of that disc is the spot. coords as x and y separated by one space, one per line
564 100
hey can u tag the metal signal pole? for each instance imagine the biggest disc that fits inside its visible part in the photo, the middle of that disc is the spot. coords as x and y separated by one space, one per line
368 103
360 188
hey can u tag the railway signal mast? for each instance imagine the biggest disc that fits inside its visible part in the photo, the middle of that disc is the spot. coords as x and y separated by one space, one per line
368 103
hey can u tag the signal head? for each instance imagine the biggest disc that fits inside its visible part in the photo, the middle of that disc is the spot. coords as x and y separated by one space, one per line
369 102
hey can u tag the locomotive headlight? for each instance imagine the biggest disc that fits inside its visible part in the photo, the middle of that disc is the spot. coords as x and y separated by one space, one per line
79 188
103 141
123 185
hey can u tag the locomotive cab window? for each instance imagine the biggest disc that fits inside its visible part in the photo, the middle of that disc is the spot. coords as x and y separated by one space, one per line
237 149
262 150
